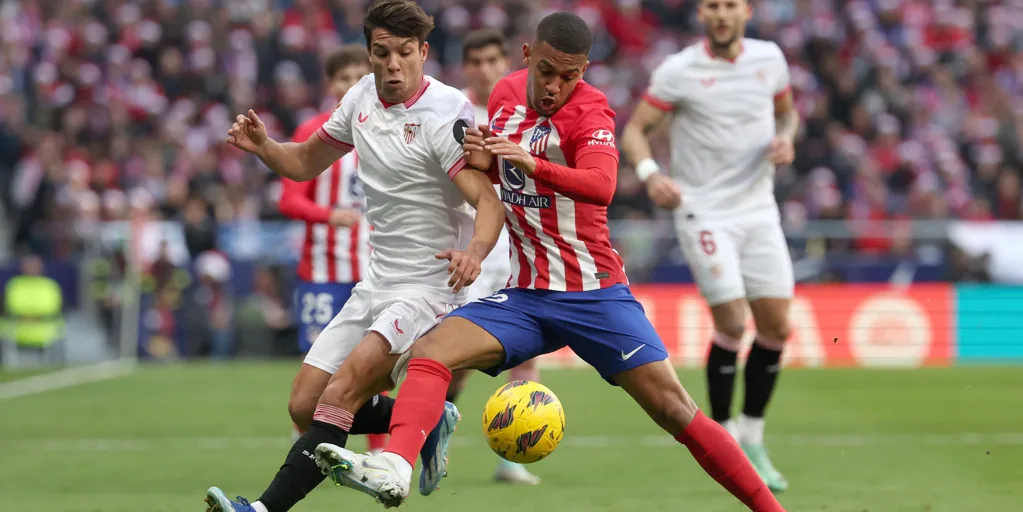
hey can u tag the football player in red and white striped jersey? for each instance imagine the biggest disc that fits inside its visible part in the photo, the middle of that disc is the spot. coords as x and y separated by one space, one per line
551 142
485 62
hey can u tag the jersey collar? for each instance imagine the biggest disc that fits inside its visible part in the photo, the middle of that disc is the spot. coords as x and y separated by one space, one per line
706 48
423 84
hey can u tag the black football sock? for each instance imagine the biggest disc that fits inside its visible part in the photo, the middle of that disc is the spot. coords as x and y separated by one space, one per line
374 417
721 381
300 474
762 367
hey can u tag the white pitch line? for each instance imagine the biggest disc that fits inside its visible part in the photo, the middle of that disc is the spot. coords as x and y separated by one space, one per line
581 442
65 378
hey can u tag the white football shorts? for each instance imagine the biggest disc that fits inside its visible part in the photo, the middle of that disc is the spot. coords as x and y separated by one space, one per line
746 257
400 319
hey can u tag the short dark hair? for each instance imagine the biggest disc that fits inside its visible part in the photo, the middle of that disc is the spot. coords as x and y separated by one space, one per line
346 56
399 17
566 33
482 38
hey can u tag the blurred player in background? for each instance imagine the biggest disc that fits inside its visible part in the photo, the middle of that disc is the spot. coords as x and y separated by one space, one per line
335 251
733 122
485 61
408 130
553 144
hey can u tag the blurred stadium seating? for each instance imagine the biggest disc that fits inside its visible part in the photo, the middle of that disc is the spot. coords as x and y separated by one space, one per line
113 112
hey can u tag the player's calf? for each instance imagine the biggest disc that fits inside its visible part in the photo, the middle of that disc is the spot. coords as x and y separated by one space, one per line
458 380
729 328
656 388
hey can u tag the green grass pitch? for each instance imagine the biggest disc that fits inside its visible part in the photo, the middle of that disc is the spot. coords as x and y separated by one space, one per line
848 440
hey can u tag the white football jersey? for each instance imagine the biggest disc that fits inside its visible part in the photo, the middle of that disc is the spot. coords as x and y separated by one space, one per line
408 154
499 259
723 123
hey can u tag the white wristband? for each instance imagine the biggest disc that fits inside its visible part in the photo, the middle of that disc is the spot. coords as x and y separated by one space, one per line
646 169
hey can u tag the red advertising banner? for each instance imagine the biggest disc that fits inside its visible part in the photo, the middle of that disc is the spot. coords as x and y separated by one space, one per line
832 325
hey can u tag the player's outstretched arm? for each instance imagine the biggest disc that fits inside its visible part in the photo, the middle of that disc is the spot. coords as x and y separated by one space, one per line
295 161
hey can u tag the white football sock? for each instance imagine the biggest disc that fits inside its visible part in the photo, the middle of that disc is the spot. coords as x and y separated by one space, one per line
259 507
402 466
751 430
732 427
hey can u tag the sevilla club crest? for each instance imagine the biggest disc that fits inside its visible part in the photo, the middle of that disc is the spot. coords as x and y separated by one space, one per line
411 129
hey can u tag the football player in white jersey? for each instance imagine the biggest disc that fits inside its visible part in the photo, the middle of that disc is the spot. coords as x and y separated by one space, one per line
484 62
731 122
408 130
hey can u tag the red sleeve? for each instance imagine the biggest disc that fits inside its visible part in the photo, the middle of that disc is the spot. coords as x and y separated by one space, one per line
295 202
595 132
592 182
307 129
592 143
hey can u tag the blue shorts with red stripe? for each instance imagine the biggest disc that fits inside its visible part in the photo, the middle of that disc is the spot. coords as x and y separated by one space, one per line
607 328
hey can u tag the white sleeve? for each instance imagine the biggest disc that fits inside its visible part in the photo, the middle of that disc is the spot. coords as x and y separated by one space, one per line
665 91
337 131
448 136
781 83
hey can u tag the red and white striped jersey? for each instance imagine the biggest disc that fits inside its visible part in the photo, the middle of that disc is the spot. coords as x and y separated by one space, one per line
558 243
329 255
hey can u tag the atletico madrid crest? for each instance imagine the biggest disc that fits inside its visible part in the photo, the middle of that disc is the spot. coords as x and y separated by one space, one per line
411 129
538 142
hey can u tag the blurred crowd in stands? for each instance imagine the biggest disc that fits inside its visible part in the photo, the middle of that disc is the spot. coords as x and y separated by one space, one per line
116 109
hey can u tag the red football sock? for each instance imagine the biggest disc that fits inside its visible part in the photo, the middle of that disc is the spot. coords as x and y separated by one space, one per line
715 449
418 407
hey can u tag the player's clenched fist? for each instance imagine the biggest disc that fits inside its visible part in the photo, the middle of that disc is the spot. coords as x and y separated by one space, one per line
781 151
663 191
464 268
247 133
476 154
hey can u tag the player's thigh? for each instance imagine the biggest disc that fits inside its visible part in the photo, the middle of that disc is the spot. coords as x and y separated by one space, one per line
656 388
365 372
610 330
766 262
495 334
315 305
712 255
343 333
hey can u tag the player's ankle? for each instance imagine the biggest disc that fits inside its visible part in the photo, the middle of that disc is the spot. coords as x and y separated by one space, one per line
259 507
750 430
402 466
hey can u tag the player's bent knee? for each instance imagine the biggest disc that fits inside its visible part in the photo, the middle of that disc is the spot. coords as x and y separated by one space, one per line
349 392
301 408
678 411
